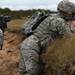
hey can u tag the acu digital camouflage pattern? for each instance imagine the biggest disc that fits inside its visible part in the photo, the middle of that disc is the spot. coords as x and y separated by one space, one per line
29 63
67 7
33 22
67 10
49 29
1 38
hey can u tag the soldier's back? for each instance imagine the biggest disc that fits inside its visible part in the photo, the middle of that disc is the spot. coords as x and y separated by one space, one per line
52 26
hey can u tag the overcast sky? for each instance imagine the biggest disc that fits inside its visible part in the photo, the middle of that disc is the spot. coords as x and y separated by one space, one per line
30 4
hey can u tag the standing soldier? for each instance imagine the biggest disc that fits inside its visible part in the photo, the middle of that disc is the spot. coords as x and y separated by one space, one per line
3 26
52 27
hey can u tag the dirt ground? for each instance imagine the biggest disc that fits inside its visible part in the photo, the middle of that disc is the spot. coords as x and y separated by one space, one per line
9 55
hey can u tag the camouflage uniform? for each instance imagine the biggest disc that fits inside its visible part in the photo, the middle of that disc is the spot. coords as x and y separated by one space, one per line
49 29
52 27
3 27
1 38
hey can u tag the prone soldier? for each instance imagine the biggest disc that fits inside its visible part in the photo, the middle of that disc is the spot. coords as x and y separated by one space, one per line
52 27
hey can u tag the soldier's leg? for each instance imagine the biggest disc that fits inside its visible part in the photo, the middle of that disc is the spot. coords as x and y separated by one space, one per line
22 65
1 39
29 62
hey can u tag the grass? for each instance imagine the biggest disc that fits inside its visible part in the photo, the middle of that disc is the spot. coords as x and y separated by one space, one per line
57 54
15 25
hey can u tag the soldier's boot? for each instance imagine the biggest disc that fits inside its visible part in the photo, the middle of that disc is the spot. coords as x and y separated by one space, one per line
29 62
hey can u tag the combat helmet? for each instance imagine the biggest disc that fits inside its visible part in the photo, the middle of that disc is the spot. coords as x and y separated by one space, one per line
66 9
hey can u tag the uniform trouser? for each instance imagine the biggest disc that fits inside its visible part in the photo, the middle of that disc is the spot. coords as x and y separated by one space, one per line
29 56
1 38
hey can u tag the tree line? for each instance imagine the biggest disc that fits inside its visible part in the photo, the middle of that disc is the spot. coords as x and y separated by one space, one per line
19 14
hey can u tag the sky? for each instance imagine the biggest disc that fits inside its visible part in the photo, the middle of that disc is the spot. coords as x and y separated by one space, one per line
30 4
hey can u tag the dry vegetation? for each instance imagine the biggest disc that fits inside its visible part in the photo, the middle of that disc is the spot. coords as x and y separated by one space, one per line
15 25
58 54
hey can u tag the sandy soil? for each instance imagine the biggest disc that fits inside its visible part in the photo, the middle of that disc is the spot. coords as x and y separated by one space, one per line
9 55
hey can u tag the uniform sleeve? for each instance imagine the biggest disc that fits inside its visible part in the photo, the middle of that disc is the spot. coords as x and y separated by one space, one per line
62 28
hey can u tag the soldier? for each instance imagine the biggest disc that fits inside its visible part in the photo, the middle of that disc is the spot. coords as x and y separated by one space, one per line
1 39
52 27
3 27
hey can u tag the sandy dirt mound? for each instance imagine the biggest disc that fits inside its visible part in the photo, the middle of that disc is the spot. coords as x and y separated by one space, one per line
9 56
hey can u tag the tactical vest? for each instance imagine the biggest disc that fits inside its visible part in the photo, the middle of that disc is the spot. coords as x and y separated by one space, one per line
33 22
